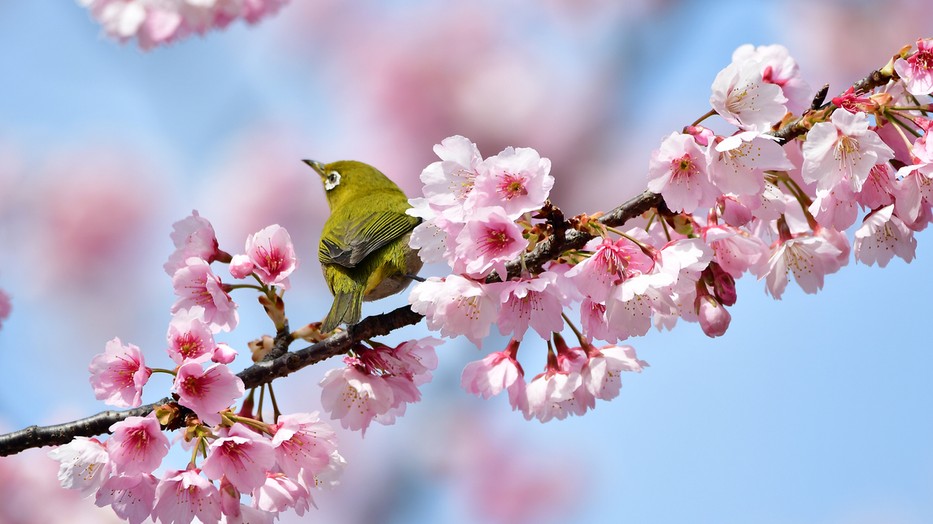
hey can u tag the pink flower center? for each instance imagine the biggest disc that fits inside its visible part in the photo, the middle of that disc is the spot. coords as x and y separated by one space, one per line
273 260
683 167
496 240
923 59
188 345
512 186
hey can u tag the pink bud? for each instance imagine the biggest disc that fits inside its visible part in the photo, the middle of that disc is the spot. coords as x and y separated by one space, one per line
241 266
223 354
723 285
714 319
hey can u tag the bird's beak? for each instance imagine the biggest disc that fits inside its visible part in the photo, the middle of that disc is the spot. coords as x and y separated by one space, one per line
315 165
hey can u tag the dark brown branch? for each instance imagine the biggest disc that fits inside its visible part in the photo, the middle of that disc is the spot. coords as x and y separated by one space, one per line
801 125
253 376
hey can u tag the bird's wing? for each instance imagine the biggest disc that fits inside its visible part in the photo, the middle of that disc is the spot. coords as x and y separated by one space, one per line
349 241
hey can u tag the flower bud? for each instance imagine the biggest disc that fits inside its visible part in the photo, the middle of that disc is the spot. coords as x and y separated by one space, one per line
241 266
714 319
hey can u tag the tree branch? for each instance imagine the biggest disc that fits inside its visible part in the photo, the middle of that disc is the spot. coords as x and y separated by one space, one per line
253 376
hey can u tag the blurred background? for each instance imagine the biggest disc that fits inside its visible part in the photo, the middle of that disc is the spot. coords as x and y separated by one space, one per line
812 409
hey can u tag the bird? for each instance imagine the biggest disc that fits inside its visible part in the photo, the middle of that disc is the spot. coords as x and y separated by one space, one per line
364 251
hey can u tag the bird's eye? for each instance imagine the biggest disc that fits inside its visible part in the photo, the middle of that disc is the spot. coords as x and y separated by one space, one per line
333 180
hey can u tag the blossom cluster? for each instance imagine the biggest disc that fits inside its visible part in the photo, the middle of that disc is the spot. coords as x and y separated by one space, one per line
277 465
159 22
748 202
378 382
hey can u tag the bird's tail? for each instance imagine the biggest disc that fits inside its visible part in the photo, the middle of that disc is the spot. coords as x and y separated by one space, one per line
346 309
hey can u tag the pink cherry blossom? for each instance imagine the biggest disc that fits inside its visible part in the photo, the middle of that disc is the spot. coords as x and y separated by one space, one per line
207 391
735 250
412 358
917 69
630 307
779 68
878 190
182 495
593 320
882 236
303 445
678 171
241 266
738 163
130 497
137 445
517 179
193 237
447 183
809 257
456 306
119 374
189 338
497 371
355 397
487 242
843 150
159 22
84 465
536 302
610 264
242 456
196 285
552 394
836 208
280 493
601 374
743 98
272 254
713 316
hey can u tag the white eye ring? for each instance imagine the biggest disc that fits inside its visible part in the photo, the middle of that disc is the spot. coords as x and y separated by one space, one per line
333 180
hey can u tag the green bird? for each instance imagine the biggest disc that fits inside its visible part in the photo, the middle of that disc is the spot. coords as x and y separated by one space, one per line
364 250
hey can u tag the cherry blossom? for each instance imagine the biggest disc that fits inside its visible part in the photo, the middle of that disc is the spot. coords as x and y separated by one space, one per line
130 497
678 171
738 164
242 456
497 371
535 303
182 495
917 69
119 374
809 257
601 374
517 179
882 236
279 493
455 306
610 263
196 285
778 68
189 337
355 397
843 150
207 391
303 446
447 183
272 255
193 237
744 98
487 242
137 445
84 464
